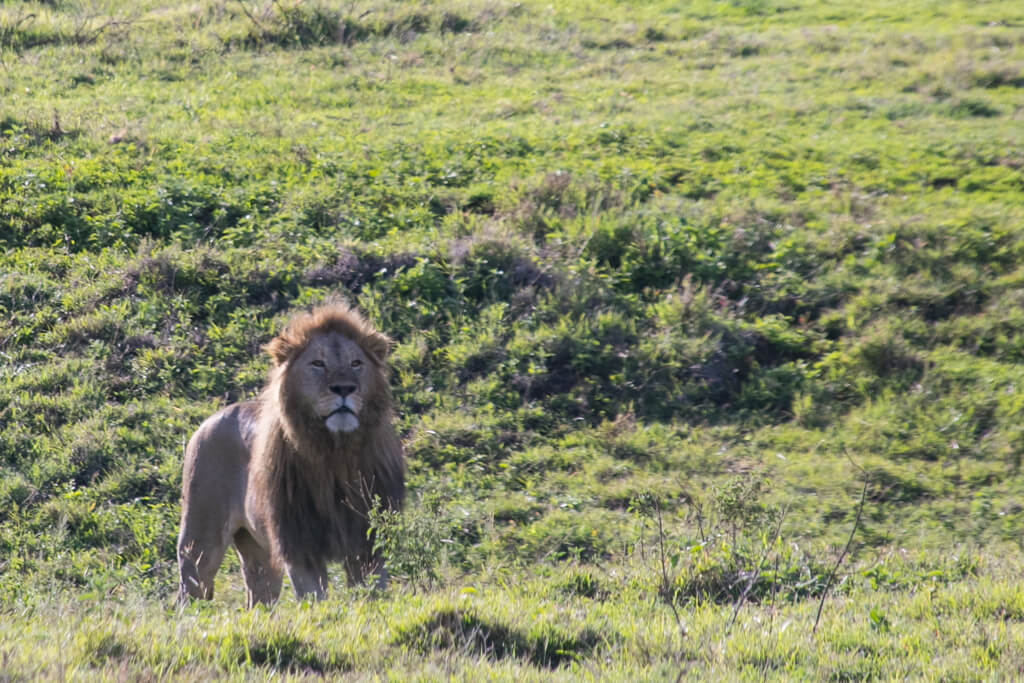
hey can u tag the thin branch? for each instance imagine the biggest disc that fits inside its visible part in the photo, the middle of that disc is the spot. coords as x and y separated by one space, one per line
643 528
666 591
775 590
84 34
287 14
699 512
21 20
253 19
88 38
757 573
771 617
849 542
9 33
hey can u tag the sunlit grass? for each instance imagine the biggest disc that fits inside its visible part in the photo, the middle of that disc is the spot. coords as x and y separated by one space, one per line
668 284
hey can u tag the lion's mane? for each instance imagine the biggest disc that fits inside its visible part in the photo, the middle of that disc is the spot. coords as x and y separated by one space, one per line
317 488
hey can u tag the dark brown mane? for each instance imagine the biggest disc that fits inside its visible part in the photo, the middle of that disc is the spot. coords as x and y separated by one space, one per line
286 482
319 487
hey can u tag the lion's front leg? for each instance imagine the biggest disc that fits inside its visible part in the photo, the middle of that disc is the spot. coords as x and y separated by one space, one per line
307 580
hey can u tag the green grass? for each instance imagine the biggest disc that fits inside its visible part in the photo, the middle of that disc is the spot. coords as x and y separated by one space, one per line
669 283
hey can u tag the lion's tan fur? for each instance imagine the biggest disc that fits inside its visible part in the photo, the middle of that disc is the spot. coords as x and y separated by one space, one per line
318 488
289 492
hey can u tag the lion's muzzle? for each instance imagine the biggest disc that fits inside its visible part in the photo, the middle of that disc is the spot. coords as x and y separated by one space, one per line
343 418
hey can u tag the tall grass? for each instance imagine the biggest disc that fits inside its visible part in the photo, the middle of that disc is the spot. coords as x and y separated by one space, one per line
656 273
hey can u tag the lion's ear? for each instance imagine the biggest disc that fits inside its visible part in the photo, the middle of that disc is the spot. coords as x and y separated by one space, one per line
279 350
378 346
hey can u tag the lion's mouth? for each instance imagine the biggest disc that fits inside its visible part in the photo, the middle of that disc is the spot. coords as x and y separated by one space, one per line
341 410
342 419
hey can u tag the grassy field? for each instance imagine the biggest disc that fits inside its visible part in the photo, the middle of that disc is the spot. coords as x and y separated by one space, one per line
709 321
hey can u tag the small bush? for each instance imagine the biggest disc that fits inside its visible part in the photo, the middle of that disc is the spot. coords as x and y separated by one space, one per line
584 584
741 553
300 25
971 107
422 541
885 353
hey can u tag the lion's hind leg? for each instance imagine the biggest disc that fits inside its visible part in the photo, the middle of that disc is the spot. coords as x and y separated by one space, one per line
262 579
198 562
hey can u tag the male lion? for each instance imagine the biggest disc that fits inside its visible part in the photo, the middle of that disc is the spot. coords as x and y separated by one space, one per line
291 477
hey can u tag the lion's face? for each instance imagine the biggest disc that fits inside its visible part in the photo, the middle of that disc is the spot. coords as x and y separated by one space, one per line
332 378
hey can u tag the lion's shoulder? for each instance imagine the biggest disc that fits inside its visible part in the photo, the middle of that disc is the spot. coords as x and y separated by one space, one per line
236 423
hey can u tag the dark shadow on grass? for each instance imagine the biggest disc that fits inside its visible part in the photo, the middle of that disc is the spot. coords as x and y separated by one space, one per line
287 653
469 633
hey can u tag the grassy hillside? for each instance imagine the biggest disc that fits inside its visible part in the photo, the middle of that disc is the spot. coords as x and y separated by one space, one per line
683 295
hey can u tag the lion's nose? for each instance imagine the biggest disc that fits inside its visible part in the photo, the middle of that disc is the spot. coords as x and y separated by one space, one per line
343 389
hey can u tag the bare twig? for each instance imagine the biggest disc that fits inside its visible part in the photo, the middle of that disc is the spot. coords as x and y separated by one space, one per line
83 34
8 35
775 590
56 131
849 542
757 572
666 584
285 13
698 510
771 618
19 21
643 527
253 19
15 26
667 593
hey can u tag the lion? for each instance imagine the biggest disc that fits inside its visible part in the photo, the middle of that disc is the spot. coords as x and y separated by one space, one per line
291 478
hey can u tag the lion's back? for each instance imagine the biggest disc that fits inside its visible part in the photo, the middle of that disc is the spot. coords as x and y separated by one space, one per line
216 466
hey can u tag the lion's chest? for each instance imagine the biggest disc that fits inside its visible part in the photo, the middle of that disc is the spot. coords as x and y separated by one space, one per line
323 515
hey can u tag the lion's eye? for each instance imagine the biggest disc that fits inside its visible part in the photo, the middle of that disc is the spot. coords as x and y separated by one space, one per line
317 363
357 363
